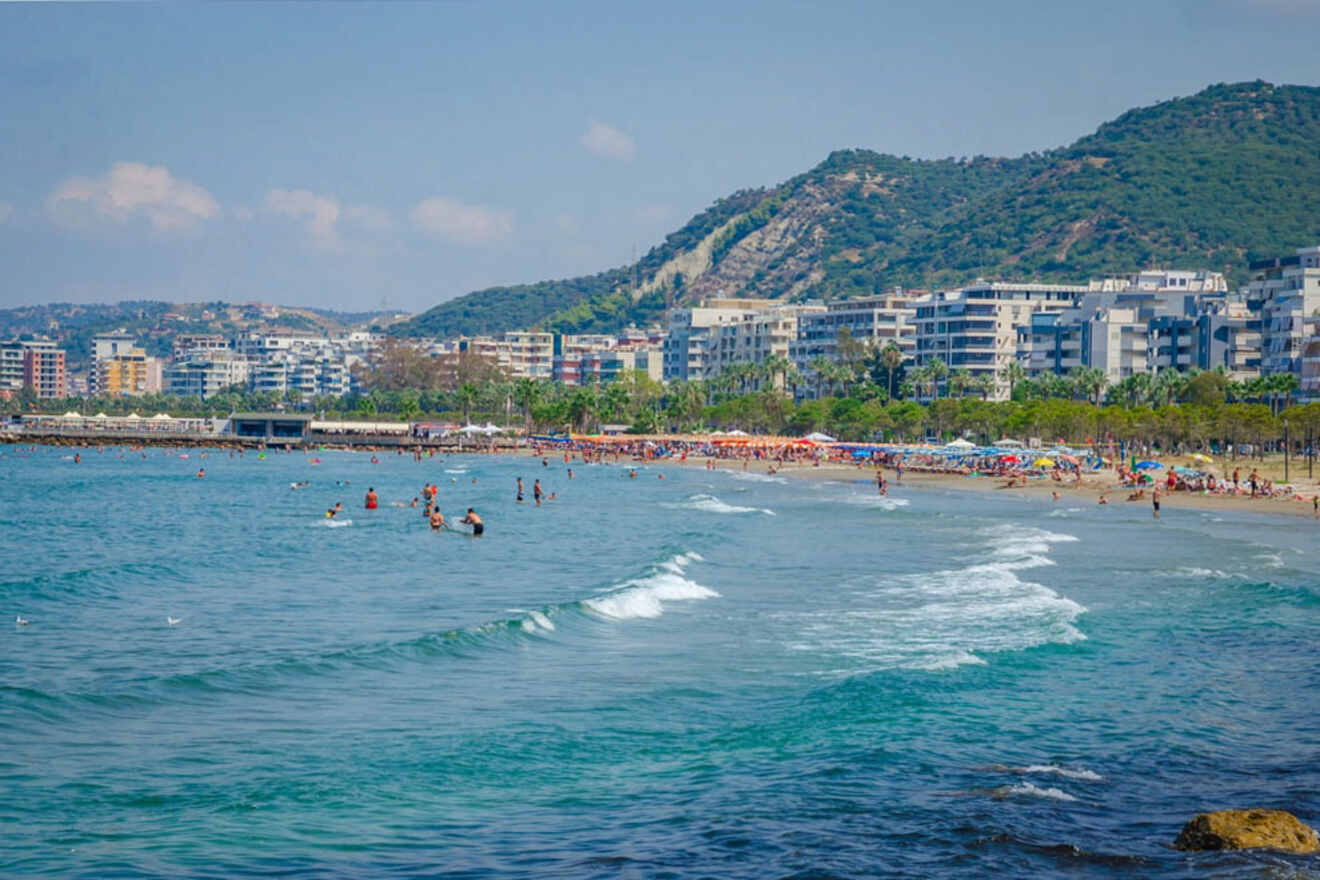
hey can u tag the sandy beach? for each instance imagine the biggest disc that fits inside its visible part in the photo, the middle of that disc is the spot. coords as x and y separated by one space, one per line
1089 491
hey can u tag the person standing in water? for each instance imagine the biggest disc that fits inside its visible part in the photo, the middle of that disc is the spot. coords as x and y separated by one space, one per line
437 520
536 492
371 499
520 490
475 521
1155 501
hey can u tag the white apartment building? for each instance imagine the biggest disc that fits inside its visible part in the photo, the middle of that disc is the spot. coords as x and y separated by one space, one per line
205 374
879 321
691 343
1288 290
975 328
759 336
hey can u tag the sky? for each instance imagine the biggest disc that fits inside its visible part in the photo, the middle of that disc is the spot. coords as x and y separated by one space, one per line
360 156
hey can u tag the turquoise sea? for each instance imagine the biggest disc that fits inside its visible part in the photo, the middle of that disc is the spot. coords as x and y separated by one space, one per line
710 675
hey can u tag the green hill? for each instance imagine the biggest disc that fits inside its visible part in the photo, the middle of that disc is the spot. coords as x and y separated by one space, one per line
1208 181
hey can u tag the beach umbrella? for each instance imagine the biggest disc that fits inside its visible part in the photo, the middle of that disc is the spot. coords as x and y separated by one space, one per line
960 443
818 437
1043 462
1148 465
738 433
1011 459
100 416
1199 457
71 415
161 416
492 428
471 429
132 416
1009 443
1071 459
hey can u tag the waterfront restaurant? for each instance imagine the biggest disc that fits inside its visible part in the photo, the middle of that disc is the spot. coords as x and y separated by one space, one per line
270 426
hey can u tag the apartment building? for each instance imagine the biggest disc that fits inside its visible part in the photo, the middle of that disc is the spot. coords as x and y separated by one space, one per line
976 328
43 371
761 335
690 350
207 373
34 363
1288 291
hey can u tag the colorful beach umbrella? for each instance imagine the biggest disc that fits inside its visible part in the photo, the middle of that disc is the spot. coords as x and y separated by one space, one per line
1148 465
1011 459
1043 462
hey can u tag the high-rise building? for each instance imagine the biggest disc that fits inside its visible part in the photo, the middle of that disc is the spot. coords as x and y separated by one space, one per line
691 343
33 363
1288 290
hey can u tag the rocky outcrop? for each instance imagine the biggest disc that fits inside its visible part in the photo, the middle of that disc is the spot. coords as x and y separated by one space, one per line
1248 829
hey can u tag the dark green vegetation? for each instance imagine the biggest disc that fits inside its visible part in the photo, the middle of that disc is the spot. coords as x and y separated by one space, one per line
1208 181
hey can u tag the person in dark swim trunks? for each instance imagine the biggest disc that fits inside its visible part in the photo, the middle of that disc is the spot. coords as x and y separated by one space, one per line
475 521
1155 501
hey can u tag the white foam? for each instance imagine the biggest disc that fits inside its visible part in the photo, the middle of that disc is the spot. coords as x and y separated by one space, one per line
645 596
1056 770
335 523
884 502
456 470
755 477
951 617
541 620
1026 789
1190 571
1270 560
712 504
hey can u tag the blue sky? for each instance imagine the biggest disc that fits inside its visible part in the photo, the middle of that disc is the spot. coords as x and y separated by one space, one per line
341 154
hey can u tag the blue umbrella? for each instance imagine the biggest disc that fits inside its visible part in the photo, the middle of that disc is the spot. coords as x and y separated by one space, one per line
1148 465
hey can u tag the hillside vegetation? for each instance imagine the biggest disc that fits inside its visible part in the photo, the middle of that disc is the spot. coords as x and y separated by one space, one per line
1207 181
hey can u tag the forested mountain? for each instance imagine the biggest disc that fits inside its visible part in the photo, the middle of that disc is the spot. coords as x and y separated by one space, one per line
1208 181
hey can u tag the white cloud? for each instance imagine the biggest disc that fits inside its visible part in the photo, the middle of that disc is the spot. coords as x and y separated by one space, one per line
6 211
321 213
133 189
608 141
456 222
369 218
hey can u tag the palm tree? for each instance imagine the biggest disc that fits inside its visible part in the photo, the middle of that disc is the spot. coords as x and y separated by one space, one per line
959 382
526 393
985 385
1013 374
467 395
892 358
937 369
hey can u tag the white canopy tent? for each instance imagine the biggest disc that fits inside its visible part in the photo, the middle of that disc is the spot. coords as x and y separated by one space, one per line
818 437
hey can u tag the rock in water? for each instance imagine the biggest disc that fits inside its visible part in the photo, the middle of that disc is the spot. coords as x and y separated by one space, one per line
1248 829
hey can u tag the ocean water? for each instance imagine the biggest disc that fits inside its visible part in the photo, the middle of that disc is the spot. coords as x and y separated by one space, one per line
718 675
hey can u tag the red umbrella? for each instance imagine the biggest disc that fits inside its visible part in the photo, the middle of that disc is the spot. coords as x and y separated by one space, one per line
1012 459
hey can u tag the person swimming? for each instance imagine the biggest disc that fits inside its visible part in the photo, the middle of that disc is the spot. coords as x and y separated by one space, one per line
475 521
